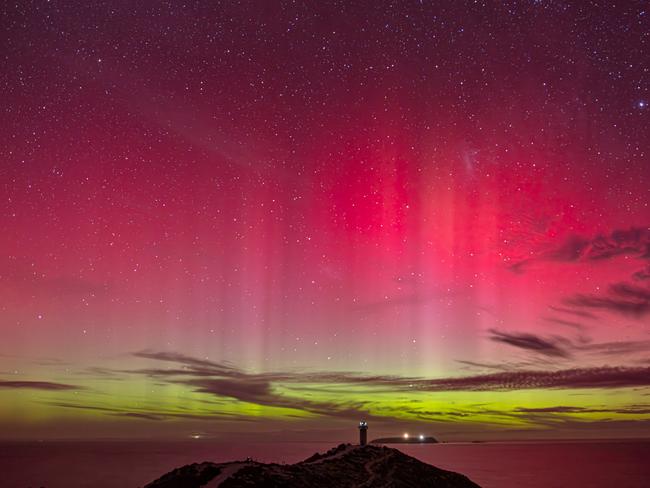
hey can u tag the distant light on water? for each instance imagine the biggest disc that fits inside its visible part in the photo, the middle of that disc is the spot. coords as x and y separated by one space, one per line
406 435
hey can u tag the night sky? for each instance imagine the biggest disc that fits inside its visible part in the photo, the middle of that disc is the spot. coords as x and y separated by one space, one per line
244 216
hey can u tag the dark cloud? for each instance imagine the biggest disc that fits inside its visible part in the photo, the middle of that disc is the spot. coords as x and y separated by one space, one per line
103 373
187 360
223 380
633 308
293 389
53 362
260 392
475 364
629 410
635 410
436 415
141 416
339 377
572 249
253 390
38 385
623 298
531 342
552 416
562 347
258 380
567 323
170 372
193 367
149 415
534 362
82 407
630 242
260 389
559 409
605 377
631 292
619 348
642 275
578 313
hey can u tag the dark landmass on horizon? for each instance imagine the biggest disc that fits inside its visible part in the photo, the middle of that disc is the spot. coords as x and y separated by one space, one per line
345 466
405 440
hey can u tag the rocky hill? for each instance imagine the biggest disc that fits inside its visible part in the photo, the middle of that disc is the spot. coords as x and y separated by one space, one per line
345 466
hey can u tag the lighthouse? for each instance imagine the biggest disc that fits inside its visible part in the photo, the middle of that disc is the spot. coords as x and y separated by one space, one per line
363 433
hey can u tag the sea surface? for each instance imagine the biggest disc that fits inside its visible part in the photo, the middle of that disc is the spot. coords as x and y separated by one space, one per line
111 464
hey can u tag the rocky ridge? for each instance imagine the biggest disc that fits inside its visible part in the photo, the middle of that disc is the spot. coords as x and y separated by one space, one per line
345 466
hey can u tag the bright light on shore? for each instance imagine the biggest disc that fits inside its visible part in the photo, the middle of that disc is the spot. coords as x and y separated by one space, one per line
406 435
421 437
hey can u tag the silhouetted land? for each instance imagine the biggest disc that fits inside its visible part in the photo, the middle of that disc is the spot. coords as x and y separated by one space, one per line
345 466
407 440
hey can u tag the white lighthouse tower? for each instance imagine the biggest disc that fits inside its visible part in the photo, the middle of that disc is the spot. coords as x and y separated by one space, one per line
363 433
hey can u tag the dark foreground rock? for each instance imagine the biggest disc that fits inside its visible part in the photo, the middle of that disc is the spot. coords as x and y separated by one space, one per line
345 466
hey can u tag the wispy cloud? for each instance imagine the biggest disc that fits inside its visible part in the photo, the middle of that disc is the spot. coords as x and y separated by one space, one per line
557 409
482 365
301 391
38 385
566 323
260 388
549 347
618 348
184 359
634 241
578 378
224 380
622 298
562 347
572 311
562 409
149 414
262 393
642 275
141 416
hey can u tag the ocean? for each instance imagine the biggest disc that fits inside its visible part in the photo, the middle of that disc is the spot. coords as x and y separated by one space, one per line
113 464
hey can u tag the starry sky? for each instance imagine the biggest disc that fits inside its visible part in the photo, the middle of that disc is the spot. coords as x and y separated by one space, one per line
220 218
